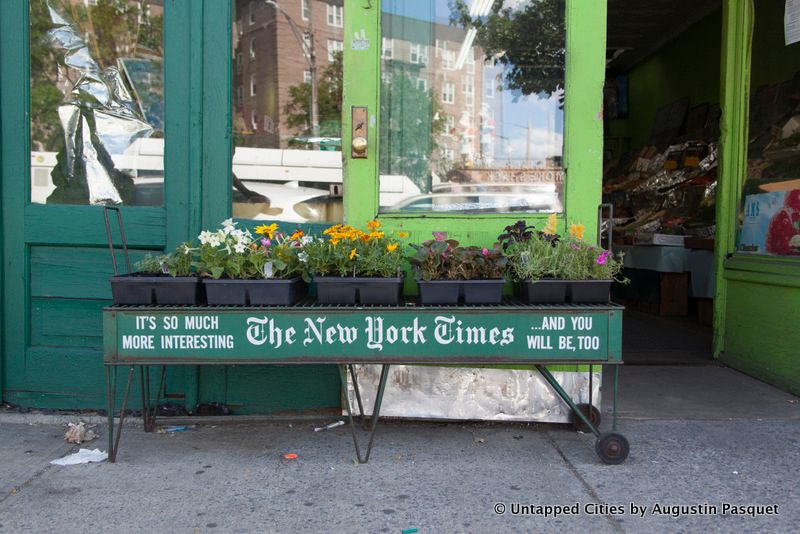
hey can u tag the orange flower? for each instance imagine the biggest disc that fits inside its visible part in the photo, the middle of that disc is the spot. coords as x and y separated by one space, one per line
392 247
376 235
334 241
401 235
297 235
576 231
373 224
353 254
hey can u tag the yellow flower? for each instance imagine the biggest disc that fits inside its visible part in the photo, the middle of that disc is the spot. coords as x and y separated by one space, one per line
392 247
401 235
576 231
266 230
334 241
373 224
376 235
550 227
297 235
353 254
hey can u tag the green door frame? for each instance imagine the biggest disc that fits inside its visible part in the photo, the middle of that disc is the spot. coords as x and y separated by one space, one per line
737 33
583 128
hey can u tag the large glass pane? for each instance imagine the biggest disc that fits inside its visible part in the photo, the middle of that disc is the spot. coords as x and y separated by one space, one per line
770 217
97 102
287 108
472 106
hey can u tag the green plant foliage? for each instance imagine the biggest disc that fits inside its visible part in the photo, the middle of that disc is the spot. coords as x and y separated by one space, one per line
151 264
441 258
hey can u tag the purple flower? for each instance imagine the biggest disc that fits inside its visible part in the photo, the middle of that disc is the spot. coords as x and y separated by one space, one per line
485 252
266 242
573 246
601 259
440 236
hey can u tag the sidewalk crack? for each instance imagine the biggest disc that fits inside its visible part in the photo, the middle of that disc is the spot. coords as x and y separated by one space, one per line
613 521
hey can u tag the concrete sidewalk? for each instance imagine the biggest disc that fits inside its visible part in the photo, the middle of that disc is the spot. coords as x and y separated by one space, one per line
699 436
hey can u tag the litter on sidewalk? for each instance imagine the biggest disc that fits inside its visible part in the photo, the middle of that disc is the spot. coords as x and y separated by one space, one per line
83 456
328 427
78 433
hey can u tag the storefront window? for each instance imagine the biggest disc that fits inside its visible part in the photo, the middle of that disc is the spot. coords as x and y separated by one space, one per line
448 145
287 160
97 102
770 216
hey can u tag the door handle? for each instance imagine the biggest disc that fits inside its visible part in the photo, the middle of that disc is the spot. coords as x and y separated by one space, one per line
359 144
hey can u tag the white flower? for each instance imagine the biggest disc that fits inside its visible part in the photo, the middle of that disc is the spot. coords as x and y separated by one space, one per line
213 240
302 256
240 247
204 237
306 239
228 226
268 270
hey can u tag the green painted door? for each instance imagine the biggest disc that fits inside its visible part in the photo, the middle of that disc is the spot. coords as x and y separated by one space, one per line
83 122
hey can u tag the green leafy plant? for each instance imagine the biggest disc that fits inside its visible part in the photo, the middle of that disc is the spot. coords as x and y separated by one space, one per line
178 263
347 251
441 258
547 255
151 264
579 260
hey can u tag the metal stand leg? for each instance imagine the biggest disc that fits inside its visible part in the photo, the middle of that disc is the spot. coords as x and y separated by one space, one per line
566 398
149 414
354 378
376 410
111 392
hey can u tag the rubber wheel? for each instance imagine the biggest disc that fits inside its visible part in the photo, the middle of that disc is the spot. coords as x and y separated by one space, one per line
612 448
590 411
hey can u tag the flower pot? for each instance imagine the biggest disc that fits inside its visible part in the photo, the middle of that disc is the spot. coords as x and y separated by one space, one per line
468 291
261 292
545 291
590 291
138 289
342 290
439 291
482 291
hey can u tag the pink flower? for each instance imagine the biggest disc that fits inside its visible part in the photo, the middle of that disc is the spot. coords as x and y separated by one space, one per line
573 246
266 242
601 259
485 252
440 236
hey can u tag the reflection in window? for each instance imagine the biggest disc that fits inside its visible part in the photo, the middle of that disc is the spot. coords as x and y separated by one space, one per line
770 218
96 102
480 128
287 162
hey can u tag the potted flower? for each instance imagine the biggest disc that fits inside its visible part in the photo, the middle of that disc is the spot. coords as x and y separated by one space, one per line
553 269
447 273
590 269
162 279
534 258
241 269
352 266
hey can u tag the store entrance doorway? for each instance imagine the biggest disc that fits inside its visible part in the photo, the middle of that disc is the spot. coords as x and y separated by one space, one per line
661 139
